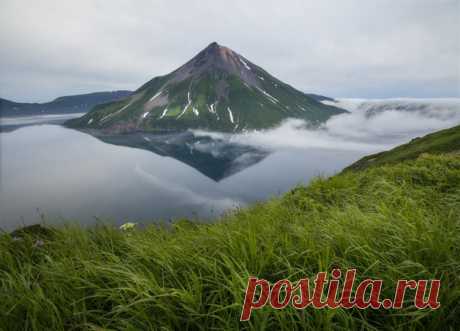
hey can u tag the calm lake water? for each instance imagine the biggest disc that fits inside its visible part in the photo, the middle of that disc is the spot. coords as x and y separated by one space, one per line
68 175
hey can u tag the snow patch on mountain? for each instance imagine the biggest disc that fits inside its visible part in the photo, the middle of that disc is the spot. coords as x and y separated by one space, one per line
230 115
212 109
189 102
302 108
271 98
156 95
163 114
105 118
244 63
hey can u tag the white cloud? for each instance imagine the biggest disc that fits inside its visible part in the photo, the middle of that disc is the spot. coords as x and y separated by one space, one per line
339 48
220 204
395 121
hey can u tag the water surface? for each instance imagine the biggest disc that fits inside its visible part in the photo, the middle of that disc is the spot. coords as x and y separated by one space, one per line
68 175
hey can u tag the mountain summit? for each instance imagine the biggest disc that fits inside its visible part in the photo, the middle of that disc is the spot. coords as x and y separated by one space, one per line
218 89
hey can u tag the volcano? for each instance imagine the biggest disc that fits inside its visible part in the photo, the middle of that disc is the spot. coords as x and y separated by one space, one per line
217 90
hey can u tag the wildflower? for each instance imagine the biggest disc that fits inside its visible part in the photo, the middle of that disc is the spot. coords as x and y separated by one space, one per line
39 243
128 226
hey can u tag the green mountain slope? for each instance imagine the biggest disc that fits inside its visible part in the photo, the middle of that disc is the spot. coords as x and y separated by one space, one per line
435 143
218 90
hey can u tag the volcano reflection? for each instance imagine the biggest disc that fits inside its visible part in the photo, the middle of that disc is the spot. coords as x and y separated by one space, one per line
213 157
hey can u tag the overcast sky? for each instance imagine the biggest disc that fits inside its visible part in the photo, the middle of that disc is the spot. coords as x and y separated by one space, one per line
340 48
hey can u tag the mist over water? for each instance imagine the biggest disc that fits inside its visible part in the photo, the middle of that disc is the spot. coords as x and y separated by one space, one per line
371 126
72 176
13 123
393 119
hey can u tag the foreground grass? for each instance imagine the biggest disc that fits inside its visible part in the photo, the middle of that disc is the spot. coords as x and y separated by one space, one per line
391 222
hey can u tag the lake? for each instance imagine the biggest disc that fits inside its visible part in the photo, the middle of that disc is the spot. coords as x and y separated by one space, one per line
66 175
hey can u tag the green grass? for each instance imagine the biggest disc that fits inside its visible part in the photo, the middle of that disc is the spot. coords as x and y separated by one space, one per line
390 222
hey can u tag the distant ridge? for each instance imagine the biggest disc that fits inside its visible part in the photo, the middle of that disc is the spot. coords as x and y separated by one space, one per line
80 103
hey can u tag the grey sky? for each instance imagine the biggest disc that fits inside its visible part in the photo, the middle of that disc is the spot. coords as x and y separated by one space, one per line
340 48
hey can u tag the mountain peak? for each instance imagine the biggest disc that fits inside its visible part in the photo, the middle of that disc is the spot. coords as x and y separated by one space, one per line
216 58
217 51
218 89
214 44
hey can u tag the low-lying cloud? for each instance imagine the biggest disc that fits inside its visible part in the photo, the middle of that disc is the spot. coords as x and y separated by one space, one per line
371 125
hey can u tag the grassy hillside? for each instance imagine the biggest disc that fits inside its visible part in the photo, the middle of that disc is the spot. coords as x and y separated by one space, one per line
445 141
391 222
